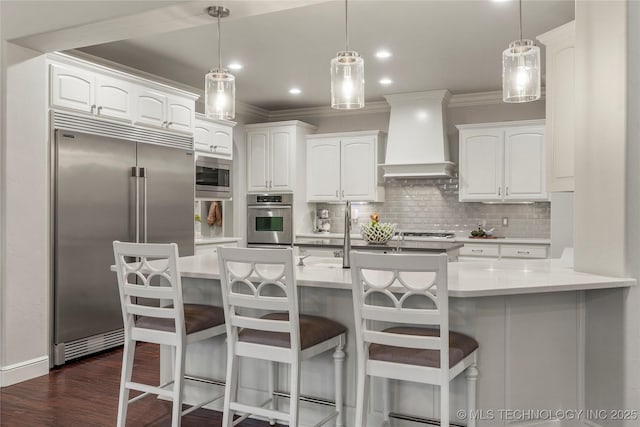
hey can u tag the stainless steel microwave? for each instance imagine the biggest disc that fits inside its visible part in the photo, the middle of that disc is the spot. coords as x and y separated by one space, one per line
213 178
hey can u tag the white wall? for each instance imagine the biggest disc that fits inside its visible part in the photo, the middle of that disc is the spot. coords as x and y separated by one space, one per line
561 222
632 297
601 91
25 167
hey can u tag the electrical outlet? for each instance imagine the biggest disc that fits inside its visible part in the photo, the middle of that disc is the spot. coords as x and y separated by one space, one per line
505 221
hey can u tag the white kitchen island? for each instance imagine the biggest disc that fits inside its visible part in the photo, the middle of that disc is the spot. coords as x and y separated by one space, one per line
528 317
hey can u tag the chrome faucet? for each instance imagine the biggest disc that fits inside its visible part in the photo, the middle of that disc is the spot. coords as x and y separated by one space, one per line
301 260
346 262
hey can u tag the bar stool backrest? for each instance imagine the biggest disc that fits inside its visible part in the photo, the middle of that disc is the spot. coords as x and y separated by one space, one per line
399 290
255 281
153 277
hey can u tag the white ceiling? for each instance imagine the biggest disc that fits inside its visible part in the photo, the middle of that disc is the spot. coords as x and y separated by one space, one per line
436 44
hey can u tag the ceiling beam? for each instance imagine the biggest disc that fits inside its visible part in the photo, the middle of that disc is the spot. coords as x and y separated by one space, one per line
162 20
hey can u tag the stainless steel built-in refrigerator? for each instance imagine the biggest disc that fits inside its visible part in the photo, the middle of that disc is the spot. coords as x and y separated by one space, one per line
108 189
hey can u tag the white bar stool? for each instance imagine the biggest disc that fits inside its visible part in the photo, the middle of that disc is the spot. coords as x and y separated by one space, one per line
156 277
386 288
263 280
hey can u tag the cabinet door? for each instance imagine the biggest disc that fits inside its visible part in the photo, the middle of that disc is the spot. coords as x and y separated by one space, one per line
323 170
257 158
113 98
72 88
202 136
222 140
281 140
180 114
481 165
358 168
151 108
525 164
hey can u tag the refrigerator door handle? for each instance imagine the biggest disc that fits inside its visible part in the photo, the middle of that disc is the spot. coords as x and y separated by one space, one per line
134 174
143 175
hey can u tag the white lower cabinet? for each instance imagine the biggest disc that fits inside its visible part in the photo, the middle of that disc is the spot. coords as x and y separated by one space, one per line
487 251
207 248
503 162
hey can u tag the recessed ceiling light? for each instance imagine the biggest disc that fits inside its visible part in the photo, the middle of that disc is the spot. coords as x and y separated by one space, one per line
383 54
235 66
385 81
295 91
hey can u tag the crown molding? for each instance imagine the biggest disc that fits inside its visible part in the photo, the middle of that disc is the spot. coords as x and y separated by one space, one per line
326 111
481 98
256 113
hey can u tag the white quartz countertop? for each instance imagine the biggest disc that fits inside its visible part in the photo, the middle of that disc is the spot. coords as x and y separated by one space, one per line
506 240
216 240
466 279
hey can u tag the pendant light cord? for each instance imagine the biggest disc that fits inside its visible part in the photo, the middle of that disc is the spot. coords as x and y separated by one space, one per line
219 47
520 8
346 26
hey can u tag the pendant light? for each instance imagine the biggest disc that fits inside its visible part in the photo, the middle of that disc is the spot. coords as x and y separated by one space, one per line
521 70
347 75
220 85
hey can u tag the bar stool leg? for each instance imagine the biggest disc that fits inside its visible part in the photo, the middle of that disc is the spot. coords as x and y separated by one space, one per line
338 361
362 396
231 388
127 370
294 399
178 385
444 403
386 401
273 375
472 382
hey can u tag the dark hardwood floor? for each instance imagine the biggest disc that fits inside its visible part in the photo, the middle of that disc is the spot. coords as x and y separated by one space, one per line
85 394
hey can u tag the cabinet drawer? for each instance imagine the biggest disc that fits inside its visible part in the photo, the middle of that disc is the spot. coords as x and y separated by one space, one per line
480 250
519 251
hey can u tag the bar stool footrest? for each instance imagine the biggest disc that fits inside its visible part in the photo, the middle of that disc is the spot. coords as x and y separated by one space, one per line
421 420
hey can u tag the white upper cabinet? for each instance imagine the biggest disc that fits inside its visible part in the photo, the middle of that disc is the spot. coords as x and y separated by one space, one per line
113 98
345 167
273 151
323 169
560 106
214 137
502 162
158 109
84 87
83 90
524 172
72 88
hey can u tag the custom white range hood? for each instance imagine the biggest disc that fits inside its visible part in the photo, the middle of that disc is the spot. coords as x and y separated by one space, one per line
417 145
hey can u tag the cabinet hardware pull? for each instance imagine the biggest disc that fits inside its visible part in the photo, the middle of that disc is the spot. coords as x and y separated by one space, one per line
342 194
169 124
93 107
499 190
164 123
477 250
270 184
266 184
507 191
211 148
336 194
99 109
524 252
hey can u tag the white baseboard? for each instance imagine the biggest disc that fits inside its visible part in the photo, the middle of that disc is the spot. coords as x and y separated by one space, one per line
22 371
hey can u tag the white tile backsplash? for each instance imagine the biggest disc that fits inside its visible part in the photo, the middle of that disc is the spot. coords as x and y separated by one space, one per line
432 204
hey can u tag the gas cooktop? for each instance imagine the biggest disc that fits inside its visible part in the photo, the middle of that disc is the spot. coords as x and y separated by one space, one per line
428 234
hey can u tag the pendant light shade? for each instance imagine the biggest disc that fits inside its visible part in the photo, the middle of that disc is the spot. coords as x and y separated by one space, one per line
521 70
347 81
219 84
347 75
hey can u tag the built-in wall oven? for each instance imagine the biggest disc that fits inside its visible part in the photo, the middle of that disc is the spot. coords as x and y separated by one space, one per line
213 178
270 220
